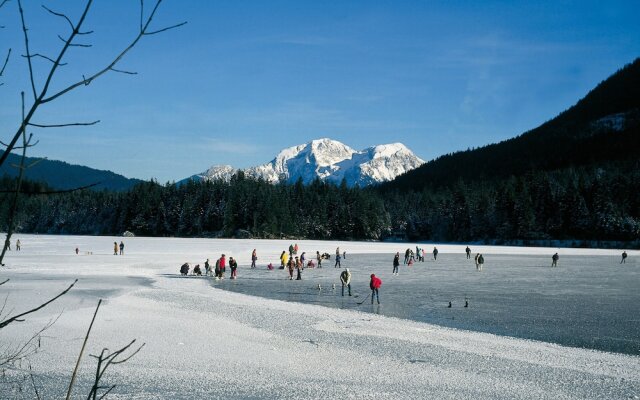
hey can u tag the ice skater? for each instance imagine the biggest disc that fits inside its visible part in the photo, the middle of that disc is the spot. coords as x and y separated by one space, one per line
254 258
337 261
345 278
480 262
234 268
435 254
319 259
299 267
623 261
18 245
375 284
115 248
291 266
121 247
396 263
468 251
554 260
476 260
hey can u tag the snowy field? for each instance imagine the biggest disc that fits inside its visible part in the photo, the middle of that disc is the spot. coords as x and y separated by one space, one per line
202 342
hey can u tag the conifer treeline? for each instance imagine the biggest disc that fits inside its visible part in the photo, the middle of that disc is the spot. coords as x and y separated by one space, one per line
589 203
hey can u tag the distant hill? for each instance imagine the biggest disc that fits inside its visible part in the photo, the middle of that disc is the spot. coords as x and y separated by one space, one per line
61 175
602 127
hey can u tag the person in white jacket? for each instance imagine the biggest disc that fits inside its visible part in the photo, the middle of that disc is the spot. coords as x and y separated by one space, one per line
345 278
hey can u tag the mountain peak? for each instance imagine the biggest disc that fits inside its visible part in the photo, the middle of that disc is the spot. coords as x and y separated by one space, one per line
329 160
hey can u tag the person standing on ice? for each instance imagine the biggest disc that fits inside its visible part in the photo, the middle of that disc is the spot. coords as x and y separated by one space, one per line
291 250
234 267
480 262
295 249
345 278
396 263
207 268
115 248
254 257
476 260
223 266
337 261
406 255
554 260
435 254
291 265
121 247
623 261
375 284
283 259
468 251
319 259
18 245
303 258
299 267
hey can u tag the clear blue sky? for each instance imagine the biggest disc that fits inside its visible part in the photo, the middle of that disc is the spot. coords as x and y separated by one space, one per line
244 79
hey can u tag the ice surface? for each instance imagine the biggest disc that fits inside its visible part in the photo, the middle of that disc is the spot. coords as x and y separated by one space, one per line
202 342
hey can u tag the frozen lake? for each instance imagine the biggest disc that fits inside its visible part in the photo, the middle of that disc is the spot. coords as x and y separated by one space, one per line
588 301
204 342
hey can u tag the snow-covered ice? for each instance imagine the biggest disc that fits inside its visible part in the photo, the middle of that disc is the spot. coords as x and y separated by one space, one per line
203 342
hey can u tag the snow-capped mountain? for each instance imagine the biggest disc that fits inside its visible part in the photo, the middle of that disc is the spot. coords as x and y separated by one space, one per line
328 160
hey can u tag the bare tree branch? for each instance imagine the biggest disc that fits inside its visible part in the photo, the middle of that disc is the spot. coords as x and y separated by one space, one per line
124 72
44 96
74 44
86 338
33 382
26 46
86 81
17 317
64 125
20 147
165 29
61 15
43 56
14 204
6 61
106 359
27 348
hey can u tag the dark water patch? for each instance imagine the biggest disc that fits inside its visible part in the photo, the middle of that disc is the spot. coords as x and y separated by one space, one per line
588 301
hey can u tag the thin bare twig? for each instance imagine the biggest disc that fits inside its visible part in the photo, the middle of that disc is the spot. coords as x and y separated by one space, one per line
17 317
14 204
33 382
74 44
3 282
26 46
64 125
105 359
6 61
86 338
124 72
20 147
44 96
26 349
143 32
38 55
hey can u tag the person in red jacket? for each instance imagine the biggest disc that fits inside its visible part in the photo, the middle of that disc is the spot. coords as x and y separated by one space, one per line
223 266
375 284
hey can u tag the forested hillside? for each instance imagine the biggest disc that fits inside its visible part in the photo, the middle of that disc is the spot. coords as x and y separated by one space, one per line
61 175
603 126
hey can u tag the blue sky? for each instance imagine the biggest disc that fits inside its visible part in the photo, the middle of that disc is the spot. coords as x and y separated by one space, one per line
242 80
